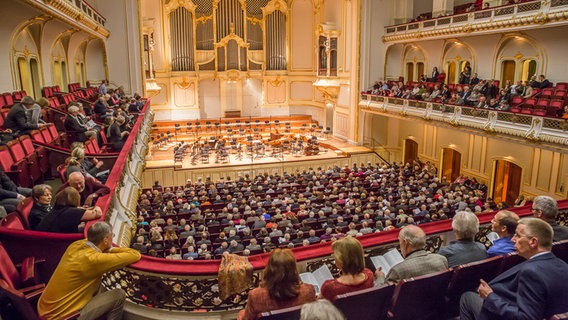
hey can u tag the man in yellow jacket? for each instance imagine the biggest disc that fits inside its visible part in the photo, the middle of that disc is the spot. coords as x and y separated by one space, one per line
77 278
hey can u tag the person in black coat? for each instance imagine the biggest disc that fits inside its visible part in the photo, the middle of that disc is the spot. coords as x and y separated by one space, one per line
41 195
10 194
67 215
17 118
74 123
115 136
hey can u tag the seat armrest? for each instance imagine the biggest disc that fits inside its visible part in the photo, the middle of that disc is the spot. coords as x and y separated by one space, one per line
33 294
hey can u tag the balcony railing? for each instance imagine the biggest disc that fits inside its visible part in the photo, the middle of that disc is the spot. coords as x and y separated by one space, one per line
89 11
527 13
552 132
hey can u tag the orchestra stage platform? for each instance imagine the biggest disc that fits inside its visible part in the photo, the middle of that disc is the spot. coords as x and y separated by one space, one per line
244 146
333 148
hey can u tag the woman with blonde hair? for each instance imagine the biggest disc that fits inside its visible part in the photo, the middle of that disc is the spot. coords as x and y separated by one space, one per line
350 260
280 287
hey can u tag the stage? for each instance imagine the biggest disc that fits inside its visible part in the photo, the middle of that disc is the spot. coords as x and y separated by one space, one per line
331 148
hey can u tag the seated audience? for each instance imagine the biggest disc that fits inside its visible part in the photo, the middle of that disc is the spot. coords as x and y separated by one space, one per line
41 195
350 260
533 289
18 120
89 189
67 215
417 261
79 163
75 285
76 125
10 194
504 223
546 208
321 309
464 249
280 287
115 136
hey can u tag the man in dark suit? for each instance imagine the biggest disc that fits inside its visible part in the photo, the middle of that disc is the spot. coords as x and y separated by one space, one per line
74 124
17 118
533 289
546 208
10 194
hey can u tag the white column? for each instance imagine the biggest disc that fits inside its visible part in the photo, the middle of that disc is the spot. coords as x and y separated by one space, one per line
404 11
442 7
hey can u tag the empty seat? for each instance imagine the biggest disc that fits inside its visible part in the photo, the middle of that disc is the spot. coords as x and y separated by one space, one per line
529 102
12 221
466 278
420 297
23 211
562 86
40 151
546 93
367 304
542 104
17 171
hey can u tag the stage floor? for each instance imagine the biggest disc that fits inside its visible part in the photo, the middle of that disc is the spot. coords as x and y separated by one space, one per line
163 157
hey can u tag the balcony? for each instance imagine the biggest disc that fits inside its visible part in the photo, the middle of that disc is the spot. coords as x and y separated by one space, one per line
549 133
75 12
492 20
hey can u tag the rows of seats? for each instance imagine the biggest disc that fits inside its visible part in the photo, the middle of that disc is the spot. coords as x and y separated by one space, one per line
23 163
437 294
547 102
7 99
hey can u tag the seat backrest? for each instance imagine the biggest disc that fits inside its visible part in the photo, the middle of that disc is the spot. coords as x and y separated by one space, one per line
292 313
466 278
8 271
560 249
53 131
46 135
509 261
36 136
18 301
6 160
12 221
16 150
24 209
27 144
419 298
367 304
61 169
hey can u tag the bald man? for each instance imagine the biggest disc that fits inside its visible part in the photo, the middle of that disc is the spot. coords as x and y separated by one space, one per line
89 188
417 261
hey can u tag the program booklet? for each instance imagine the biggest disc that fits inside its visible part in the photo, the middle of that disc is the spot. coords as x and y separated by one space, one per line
317 278
387 260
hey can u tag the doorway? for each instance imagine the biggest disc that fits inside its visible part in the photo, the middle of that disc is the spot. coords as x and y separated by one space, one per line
451 72
451 164
506 182
410 150
508 71
410 71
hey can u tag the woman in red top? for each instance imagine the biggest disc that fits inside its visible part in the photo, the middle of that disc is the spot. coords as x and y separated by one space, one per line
280 287
350 260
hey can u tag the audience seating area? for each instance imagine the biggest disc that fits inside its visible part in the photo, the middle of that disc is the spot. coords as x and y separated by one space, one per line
546 102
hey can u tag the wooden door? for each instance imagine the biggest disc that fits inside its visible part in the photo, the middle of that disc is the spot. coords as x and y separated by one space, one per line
410 150
506 182
451 79
508 71
420 67
451 164
410 71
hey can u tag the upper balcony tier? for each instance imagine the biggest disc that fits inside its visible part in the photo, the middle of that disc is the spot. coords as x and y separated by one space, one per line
75 12
549 133
498 19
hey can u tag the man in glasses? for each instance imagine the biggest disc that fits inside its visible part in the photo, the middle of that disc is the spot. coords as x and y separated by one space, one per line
546 208
533 289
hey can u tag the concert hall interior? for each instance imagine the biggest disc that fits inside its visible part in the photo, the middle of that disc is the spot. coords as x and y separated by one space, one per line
252 107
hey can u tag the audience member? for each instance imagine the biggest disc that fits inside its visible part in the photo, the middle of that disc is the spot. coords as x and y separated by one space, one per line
464 249
321 309
10 194
546 208
89 189
18 120
41 195
75 125
280 287
417 261
67 215
350 260
504 223
531 290
76 282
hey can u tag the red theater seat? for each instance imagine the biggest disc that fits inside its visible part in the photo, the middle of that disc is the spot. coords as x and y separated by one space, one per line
17 171
40 151
292 313
426 289
18 154
367 304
